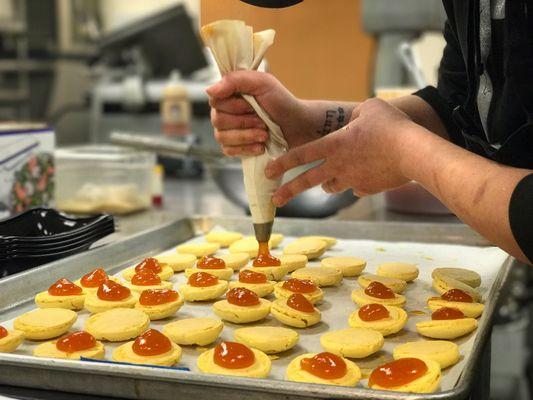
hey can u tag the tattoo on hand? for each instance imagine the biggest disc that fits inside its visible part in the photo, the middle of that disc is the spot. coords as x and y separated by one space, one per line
332 116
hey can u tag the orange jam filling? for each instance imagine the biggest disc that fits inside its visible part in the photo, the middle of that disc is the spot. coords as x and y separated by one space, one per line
264 258
457 295
447 313
154 297
243 297
208 262
397 373
112 291
76 341
151 343
299 302
299 285
379 291
64 287
233 355
202 279
94 278
3 332
146 278
325 365
247 276
149 263
373 312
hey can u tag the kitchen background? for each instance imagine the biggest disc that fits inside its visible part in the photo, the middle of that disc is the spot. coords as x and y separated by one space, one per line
88 68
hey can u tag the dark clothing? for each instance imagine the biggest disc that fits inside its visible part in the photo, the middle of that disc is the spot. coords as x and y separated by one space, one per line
508 138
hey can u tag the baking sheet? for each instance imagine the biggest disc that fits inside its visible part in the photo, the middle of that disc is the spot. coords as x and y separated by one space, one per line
337 304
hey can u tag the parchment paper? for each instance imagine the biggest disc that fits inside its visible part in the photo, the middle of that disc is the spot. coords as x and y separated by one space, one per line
337 304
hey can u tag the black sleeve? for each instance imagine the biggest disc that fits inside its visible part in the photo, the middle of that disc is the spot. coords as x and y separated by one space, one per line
521 215
452 85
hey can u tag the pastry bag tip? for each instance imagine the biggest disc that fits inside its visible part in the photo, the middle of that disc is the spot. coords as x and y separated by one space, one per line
263 231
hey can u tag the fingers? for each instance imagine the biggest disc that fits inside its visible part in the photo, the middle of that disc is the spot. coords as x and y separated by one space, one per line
301 155
254 149
250 82
241 137
333 186
225 121
310 178
232 105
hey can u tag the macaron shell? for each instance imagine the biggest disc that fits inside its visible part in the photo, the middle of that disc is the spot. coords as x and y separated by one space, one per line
388 326
394 284
268 339
241 314
296 374
444 352
352 342
259 369
446 329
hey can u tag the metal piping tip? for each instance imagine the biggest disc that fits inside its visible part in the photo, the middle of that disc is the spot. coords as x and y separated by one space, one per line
263 231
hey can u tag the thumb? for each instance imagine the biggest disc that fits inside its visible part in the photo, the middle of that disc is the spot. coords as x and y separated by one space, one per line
249 82
300 155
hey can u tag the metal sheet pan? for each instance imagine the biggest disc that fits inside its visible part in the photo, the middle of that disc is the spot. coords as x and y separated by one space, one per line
16 296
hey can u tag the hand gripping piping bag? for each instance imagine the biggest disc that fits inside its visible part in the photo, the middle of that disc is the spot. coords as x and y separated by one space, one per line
236 47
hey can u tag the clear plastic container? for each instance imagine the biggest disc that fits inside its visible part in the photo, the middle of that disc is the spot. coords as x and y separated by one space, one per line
101 178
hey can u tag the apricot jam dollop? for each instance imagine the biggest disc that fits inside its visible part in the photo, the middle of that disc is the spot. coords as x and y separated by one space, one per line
76 341
112 291
202 279
447 313
146 278
299 302
379 291
247 276
155 297
208 262
264 258
64 287
94 278
3 332
233 355
457 295
325 365
151 343
243 297
373 312
149 263
299 285
397 373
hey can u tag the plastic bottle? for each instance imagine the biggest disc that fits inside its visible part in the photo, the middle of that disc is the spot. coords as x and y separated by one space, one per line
175 107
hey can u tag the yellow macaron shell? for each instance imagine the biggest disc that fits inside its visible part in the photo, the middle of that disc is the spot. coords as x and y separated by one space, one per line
241 314
446 328
396 285
198 249
442 284
398 270
165 274
125 353
235 261
45 323
321 276
361 298
222 273
295 373
281 293
161 311
194 293
49 349
259 369
311 247
260 289
10 342
292 262
178 262
117 324
70 302
94 304
444 352
330 241
467 276
272 273
349 266
223 238
427 383
291 317
471 310
352 342
194 331
387 326
268 339
141 288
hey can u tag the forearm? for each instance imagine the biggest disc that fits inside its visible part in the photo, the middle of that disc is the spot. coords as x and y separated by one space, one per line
324 116
477 190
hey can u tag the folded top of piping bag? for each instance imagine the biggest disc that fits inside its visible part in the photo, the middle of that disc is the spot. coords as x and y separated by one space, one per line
236 47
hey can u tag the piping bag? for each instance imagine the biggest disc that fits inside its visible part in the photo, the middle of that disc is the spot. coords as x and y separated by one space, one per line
236 47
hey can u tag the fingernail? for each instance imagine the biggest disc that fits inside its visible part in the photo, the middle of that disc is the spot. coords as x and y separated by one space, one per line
277 200
213 88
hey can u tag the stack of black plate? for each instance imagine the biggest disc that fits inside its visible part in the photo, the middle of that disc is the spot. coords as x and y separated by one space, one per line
41 235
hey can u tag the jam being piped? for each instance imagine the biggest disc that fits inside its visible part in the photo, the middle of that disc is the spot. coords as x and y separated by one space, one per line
151 343
397 373
154 297
149 263
247 276
457 295
94 278
112 291
264 258
76 341
202 279
324 365
3 332
233 355
145 278
447 313
64 287
208 262
379 291
299 285
243 297
299 302
373 312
